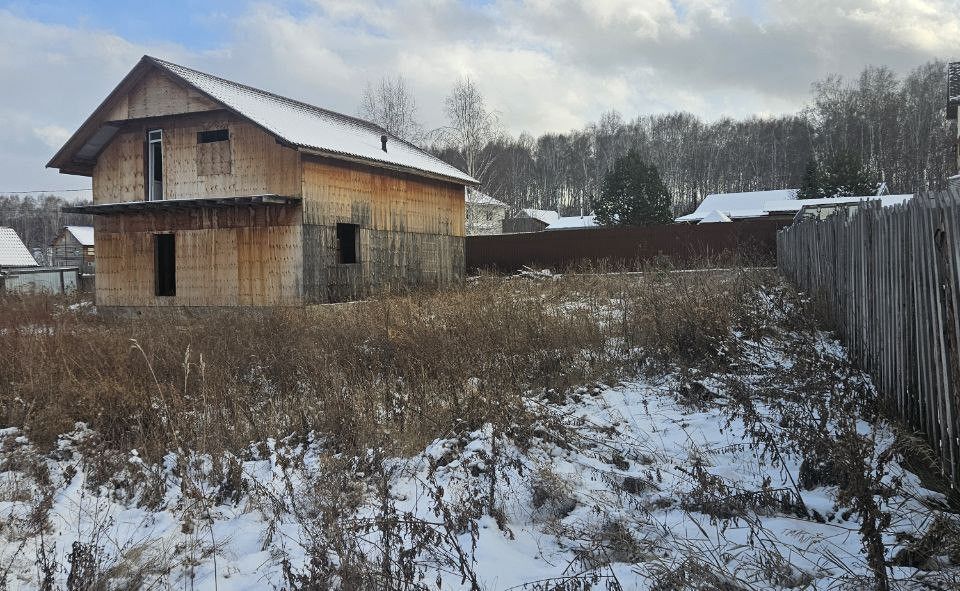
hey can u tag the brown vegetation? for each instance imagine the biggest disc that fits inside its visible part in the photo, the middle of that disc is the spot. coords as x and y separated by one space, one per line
395 371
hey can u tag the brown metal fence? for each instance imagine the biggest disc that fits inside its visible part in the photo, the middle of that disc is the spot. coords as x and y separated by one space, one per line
890 278
682 243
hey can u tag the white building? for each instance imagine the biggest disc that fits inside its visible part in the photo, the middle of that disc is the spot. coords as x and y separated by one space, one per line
485 214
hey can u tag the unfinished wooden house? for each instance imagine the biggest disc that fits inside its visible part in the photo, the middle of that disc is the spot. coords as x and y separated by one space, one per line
207 192
73 247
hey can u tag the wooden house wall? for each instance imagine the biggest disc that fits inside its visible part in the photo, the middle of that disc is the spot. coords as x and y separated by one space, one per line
411 230
65 248
258 164
224 257
157 95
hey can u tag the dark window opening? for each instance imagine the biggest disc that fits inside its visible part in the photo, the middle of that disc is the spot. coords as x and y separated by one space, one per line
216 135
165 255
347 243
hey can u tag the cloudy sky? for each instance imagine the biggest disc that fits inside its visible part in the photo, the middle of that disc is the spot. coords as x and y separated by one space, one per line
545 66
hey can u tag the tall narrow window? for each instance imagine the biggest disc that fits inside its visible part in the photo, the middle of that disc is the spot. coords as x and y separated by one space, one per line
165 265
154 165
347 243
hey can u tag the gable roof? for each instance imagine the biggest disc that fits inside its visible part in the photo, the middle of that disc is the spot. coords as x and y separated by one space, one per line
715 217
13 252
734 205
83 234
477 198
547 216
764 203
573 221
297 124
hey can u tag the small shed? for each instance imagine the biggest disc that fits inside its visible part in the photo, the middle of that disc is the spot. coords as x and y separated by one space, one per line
74 247
530 220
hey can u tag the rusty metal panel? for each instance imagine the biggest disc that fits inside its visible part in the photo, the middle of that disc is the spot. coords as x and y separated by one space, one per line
628 246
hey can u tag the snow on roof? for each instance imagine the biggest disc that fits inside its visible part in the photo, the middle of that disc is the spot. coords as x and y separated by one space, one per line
763 203
478 198
738 205
546 216
715 217
574 221
83 234
795 205
314 128
13 252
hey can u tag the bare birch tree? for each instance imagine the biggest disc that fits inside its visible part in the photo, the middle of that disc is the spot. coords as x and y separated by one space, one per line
390 105
473 128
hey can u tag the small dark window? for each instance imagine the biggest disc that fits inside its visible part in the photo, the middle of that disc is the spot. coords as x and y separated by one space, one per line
216 135
347 243
165 255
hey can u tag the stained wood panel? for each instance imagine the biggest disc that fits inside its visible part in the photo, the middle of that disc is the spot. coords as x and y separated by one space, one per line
385 259
380 200
257 164
253 265
158 94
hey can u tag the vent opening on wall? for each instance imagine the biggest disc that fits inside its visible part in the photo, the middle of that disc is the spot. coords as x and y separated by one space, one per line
215 135
165 264
347 235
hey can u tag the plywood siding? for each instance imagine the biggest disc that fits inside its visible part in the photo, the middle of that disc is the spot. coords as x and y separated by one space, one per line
256 163
228 257
157 95
410 230
377 199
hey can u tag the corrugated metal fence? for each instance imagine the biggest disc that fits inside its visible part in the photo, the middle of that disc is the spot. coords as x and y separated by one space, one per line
629 246
891 280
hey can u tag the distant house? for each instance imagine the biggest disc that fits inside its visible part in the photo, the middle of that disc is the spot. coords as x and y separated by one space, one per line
73 247
13 252
485 214
574 222
208 192
781 205
530 220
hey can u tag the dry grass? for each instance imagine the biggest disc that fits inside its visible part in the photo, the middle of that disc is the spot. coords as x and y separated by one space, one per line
395 372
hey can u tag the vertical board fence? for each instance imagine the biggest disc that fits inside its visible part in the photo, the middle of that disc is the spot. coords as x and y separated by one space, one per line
891 280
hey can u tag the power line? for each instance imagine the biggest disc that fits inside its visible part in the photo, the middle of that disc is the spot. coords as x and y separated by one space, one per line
41 191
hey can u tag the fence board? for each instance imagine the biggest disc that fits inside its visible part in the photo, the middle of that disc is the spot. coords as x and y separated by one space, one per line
890 278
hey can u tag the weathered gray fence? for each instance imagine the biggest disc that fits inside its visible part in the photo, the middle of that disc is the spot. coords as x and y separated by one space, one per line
891 278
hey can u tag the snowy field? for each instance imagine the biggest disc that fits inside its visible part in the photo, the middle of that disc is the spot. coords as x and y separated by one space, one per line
673 478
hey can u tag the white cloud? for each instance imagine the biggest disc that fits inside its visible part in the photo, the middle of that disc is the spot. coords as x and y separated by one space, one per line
544 65
52 135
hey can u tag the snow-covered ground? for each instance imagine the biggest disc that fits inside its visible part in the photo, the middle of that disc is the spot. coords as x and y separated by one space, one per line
674 479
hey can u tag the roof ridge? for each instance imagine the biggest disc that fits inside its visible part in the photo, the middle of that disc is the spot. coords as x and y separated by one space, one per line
166 65
169 66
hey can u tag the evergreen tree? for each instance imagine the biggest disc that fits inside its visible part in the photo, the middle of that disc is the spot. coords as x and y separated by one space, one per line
811 186
632 194
846 176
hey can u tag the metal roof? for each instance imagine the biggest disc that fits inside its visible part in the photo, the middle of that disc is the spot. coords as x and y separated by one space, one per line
13 252
738 205
83 234
297 124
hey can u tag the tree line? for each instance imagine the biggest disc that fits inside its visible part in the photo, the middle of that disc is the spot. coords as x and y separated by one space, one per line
37 219
892 127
